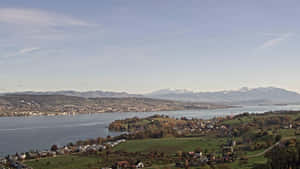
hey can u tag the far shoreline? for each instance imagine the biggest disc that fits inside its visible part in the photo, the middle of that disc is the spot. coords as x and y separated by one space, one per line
65 114
49 114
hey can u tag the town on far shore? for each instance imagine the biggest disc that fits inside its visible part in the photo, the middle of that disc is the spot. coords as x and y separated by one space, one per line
53 105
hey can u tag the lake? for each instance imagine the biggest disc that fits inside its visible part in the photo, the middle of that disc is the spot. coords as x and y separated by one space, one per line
21 134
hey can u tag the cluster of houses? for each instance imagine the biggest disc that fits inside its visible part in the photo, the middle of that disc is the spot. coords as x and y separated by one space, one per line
126 165
35 113
181 126
206 126
197 159
201 127
15 161
11 162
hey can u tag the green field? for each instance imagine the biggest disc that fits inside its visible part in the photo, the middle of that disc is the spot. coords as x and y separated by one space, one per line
166 145
249 164
238 121
66 162
171 145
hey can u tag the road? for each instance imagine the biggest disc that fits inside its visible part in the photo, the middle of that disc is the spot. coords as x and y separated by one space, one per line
265 151
271 147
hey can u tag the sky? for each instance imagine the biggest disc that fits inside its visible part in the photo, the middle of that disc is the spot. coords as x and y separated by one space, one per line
141 46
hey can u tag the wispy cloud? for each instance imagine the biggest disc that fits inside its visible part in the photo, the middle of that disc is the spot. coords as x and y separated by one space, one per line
276 40
21 52
38 17
35 27
28 50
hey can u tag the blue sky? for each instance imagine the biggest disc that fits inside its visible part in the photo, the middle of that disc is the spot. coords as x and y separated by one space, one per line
140 46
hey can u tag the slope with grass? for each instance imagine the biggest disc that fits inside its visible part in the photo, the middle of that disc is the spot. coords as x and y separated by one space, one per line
171 145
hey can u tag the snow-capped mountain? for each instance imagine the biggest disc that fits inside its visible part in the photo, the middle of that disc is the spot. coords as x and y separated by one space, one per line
243 96
168 91
263 95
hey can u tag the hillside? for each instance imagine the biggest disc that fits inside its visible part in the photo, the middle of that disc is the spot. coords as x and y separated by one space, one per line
86 94
243 96
10 104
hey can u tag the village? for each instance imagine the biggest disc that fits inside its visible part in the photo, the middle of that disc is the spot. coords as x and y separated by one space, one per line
15 161
184 126
217 141
50 105
195 158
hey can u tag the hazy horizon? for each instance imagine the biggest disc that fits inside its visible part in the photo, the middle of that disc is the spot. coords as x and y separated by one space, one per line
171 89
142 46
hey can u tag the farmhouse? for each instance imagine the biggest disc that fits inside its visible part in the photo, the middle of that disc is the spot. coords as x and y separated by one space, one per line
139 164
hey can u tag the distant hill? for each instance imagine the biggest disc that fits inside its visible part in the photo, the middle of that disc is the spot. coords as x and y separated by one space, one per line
243 96
87 94
59 103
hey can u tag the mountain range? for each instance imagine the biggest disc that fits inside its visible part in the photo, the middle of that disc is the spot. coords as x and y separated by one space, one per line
28 104
243 96
87 94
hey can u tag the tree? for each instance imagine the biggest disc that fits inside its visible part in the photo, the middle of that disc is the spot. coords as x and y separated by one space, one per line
198 150
70 144
179 154
277 138
54 148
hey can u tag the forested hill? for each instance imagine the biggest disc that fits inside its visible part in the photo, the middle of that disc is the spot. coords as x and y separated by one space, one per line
85 94
59 103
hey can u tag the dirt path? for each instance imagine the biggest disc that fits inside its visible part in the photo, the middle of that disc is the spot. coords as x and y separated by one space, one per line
265 151
270 148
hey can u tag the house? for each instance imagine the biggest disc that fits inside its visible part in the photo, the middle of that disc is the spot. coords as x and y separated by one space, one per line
52 154
60 152
191 153
211 157
210 126
198 162
66 150
91 149
203 159
13 164
179 165
78 149
122 140
198 154
122 164
231 143
139 164
43 154
228 150
11 158
17 165
3 161
74 149
31 155
109 144
21 166
286 127
101 147
22 156
228 158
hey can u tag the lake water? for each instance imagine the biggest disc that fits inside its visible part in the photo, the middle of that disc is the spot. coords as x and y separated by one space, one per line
20 134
